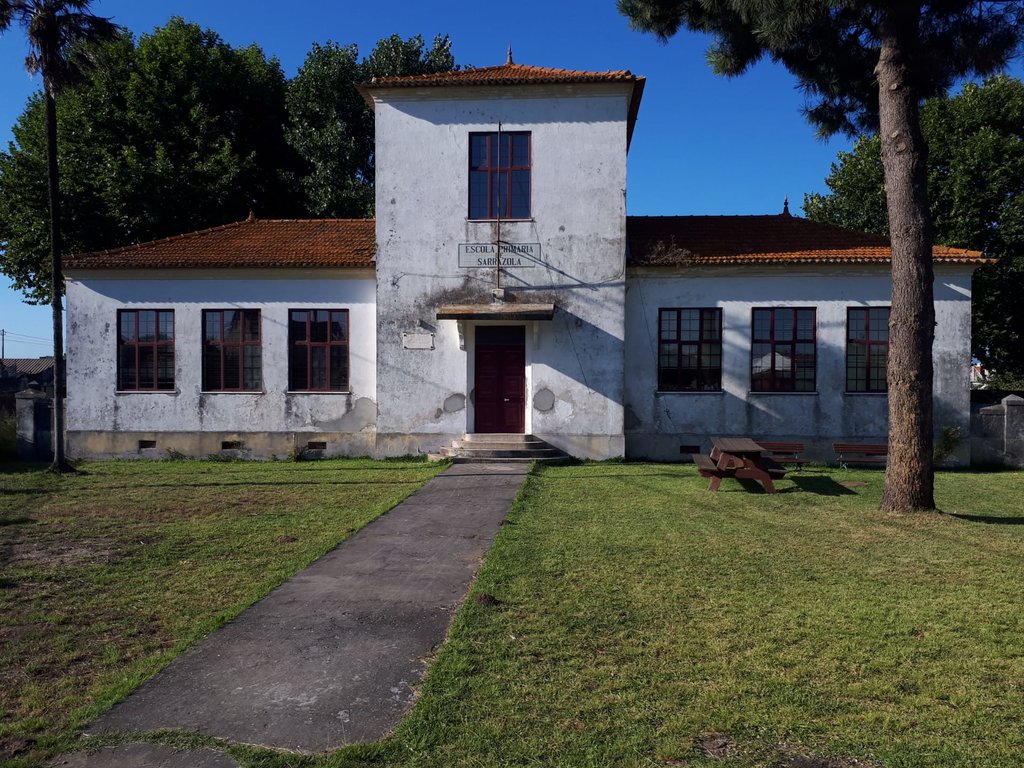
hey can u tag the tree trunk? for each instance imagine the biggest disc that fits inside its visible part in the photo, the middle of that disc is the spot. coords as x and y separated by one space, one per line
56 287
909 478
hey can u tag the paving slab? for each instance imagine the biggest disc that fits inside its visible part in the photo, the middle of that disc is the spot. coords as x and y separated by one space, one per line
333 656
144 756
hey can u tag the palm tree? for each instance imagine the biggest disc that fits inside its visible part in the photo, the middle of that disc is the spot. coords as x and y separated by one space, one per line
59 35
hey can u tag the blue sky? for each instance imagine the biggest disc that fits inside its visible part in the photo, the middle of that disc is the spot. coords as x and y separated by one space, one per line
703 144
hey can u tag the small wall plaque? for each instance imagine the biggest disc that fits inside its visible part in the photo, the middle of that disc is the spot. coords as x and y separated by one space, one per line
417 341
485 255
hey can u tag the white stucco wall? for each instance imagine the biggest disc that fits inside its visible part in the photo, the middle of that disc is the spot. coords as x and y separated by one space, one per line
658 423
575 361
96 408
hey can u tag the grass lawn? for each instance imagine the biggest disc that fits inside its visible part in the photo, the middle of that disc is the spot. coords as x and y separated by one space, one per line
642 621
107 575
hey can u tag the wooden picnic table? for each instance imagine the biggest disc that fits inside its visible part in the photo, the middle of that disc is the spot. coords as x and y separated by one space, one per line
738 457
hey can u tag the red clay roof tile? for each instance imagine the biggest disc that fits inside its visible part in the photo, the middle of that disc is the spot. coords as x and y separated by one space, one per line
249 243
682 240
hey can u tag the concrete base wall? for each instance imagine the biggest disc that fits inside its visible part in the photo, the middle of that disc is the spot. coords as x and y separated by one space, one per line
997 434
252 445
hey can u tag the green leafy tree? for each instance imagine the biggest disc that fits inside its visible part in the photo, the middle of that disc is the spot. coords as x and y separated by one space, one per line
867 65
976 196
59 34
331 127
176 133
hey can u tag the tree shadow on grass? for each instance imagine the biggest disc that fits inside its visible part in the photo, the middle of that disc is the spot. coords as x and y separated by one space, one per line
819 485
990 519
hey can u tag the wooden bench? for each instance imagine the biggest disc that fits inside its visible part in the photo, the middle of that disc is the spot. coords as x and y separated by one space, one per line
784 453
708 467
861 453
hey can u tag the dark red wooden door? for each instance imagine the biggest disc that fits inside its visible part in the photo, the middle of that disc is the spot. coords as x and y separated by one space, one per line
500 399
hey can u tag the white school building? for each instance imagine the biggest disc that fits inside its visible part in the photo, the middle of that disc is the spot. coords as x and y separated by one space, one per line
501 288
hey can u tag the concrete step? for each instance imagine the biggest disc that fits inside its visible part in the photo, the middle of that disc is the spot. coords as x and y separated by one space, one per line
497 437
503 453
479 460
509 445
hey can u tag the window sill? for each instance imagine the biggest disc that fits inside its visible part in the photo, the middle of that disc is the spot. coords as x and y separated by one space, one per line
318 392
493 221
233 392
859 394
689 391
147 392
813 393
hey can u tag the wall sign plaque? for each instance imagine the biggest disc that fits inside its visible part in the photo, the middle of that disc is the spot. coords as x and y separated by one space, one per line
485 255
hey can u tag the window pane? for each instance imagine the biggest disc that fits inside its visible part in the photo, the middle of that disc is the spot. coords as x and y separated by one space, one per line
339 368
166 326
318 329
128 326
521 149
761 359
520 194
762 324
505 144
232 326
855 324
688 355
232 367
211 326
297 326
252 367
478 195
318 368
784 325
712 321
126 371
805 324
147 367
211 367
689 324
298 379
499 194
147 325
252 325
478 150
339 326
165 367
669 318
880 324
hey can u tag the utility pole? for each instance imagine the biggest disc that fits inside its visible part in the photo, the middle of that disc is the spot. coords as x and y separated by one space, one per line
3 344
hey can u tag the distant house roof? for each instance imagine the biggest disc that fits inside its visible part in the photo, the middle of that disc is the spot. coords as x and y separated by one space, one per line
16 367
250 243
514 74
681 240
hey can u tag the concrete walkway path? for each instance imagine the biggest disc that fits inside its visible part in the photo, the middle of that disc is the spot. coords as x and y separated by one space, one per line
332 656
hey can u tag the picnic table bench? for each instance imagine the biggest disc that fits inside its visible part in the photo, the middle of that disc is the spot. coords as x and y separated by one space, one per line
784 453
861 453
740 458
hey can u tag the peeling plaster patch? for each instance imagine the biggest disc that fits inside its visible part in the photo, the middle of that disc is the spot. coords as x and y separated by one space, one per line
454 403
631 420
438 413
362 415
544 399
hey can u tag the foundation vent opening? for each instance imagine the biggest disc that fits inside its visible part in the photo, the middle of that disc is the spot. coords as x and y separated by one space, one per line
316 445
231 445
145 444
689 449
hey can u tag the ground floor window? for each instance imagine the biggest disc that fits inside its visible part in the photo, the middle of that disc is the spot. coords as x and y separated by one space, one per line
783 350
145 349
232 351
867 349
318 350
689 350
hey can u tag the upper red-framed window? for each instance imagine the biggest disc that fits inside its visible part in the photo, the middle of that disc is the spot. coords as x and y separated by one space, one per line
232 350
783 350
499 175
145 350
318 350
867 349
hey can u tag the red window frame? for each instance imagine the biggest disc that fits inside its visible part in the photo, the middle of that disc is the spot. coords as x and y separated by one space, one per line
500 165
132 347
307 373
778 377
219 348
706 373
874 338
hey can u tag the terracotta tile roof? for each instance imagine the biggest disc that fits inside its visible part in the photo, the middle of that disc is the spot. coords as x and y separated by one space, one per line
250 243
682 240
515 74
25 366
505 74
